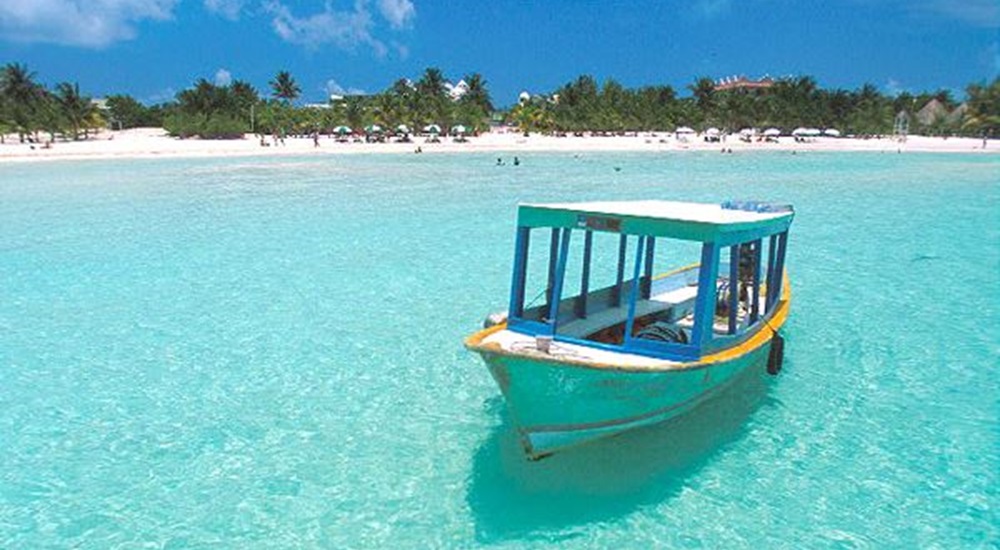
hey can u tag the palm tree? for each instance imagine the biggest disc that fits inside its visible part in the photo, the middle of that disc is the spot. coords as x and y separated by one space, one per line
431 96
243 94
407 102
384 110
477 93
983 115
284 87
76 108
475 107
6 125
432 83
22 95
245 99
703 91
203 99
48 115
354 112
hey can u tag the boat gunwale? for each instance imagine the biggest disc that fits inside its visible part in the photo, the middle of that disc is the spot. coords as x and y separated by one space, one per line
769 326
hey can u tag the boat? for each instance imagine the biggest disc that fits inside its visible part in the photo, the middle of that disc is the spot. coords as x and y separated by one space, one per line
694 295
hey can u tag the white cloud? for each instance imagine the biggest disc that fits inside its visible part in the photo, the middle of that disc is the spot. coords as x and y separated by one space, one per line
710 9
333 88
230 9
893 87
223 77
164 95
345 29
90 23
980 13
401 50
976 13
398 13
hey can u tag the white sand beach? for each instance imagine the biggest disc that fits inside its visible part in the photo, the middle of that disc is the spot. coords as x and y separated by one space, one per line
154 142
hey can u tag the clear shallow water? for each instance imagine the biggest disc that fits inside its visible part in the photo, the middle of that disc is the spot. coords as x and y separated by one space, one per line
267 352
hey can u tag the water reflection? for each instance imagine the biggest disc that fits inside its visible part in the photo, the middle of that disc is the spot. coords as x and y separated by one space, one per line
514 498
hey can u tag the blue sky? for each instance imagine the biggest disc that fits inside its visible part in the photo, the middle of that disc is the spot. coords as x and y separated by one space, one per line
153 48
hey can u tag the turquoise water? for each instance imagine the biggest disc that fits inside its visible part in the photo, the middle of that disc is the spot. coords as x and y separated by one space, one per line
267 353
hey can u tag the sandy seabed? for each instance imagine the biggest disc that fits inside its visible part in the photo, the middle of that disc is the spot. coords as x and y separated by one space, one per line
154 143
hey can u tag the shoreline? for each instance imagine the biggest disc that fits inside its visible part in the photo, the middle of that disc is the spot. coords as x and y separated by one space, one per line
151 143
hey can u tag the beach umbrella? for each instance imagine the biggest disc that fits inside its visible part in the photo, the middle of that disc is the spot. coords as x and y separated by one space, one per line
684 130
373 129
772 132
402 129
799 131
342 130
812 132
460 129
832 132
746 132
432 129
712 132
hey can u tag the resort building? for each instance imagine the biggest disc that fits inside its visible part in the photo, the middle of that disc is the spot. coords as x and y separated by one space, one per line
931 112
456 91
742 82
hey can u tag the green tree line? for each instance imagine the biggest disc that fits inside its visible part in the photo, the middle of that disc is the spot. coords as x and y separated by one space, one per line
29 109
584 105
212 111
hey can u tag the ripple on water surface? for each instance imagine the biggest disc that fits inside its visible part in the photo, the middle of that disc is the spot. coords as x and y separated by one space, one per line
260 352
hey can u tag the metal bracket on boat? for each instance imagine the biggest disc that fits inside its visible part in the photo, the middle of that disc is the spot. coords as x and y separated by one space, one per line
543 343
494 319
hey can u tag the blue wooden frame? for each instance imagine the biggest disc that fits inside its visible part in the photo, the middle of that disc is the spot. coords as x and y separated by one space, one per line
553 258
647 277
734 287
703 339
620 281
523 240
581 300
772 248
634 294
704 305
559 278
774 289
755 311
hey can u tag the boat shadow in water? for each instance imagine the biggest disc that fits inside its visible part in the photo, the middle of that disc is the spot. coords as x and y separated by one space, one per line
514 498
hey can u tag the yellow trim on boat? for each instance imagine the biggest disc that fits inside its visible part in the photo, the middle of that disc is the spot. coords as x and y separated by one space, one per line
765 333
676 271
474 342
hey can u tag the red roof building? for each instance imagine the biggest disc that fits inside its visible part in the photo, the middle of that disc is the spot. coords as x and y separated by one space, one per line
742 82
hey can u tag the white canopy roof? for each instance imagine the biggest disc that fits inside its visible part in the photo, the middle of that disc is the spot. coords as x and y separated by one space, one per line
665 210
